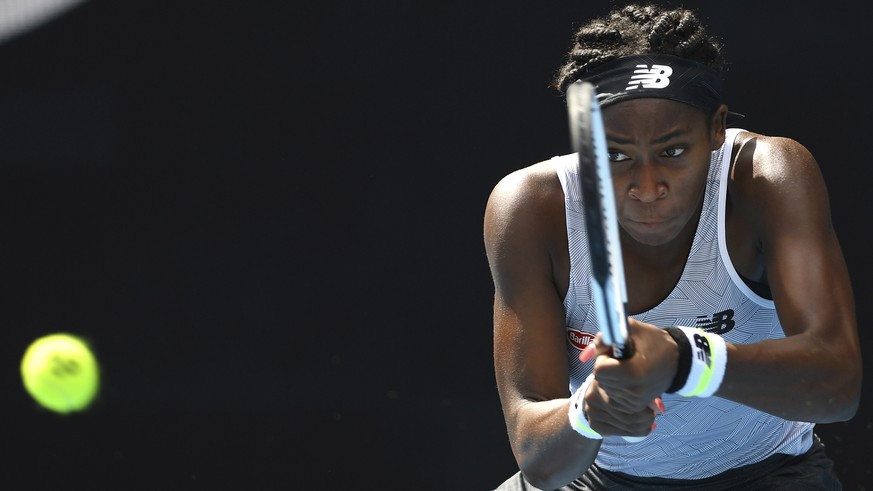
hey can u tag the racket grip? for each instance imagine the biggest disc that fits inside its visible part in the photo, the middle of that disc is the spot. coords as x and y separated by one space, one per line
624 352
633 439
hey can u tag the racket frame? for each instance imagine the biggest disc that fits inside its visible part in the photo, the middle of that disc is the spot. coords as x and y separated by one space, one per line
608 288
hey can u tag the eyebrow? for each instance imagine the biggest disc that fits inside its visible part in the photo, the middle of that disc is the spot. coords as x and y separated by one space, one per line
667 137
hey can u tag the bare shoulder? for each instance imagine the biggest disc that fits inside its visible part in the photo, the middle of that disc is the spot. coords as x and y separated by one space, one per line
532 191
526 210
773 168
776 181
762 160
535 182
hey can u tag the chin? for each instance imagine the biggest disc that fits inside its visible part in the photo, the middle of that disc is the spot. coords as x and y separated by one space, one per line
651 241
650 235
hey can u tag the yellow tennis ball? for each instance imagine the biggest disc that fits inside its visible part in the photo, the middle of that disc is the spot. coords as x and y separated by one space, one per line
61 373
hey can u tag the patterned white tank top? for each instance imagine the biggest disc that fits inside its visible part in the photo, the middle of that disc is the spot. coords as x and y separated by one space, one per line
696 438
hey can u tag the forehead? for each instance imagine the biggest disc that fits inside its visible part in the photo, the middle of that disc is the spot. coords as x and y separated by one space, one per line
652 116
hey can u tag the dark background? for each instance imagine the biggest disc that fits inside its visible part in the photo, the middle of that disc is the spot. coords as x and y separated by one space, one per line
266 217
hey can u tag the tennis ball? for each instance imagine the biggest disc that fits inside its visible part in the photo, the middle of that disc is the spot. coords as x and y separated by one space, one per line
61 373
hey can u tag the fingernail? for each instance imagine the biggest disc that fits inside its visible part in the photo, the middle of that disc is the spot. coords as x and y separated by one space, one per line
660 405
587 353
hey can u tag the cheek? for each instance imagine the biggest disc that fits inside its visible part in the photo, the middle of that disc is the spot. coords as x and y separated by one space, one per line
688 194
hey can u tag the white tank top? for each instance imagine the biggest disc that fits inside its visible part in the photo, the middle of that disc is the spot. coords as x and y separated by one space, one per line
696 438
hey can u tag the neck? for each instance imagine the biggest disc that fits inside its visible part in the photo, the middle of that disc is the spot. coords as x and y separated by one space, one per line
652 272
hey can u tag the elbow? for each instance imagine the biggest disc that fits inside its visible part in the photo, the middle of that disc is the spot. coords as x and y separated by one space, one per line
543 473
851 400
844 396
838 408
851 392
550 473
540 480
851 410
840 411
534 473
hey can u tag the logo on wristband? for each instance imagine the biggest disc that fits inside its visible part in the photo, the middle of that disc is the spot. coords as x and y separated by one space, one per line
703 351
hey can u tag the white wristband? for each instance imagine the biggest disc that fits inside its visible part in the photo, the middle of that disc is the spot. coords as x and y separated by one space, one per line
577 412
708 362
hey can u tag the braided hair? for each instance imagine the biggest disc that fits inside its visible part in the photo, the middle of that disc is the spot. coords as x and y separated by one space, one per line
638 29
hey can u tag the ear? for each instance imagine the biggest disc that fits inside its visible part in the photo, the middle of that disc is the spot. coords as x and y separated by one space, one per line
718 124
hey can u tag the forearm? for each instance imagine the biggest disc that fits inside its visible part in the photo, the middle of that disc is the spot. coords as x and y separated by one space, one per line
795 378
548 450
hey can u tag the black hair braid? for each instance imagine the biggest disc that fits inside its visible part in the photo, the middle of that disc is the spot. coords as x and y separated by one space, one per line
679 33
638 29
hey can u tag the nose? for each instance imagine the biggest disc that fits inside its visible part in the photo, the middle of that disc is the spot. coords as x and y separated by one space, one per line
646 185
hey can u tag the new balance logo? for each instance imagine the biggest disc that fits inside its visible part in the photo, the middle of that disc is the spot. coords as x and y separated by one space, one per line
656 77
719 323
703 351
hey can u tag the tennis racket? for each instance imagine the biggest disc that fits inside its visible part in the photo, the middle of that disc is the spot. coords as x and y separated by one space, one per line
608 289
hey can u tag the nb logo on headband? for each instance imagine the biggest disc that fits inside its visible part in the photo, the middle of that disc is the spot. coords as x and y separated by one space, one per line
656 77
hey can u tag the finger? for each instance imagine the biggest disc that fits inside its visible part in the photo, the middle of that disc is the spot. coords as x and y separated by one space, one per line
593 349
626 397
634 439
588 352
657 406
604 407
621 424
629 401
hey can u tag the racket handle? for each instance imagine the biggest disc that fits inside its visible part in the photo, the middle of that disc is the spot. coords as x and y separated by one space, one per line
624 352
633 439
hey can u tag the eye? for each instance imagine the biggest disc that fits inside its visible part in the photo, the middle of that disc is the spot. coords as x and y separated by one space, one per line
617 156
673 152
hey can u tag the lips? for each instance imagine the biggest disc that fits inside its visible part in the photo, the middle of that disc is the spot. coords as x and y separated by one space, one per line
649 222
648 225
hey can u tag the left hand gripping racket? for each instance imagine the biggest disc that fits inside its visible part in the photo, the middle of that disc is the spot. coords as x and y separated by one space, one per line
608 289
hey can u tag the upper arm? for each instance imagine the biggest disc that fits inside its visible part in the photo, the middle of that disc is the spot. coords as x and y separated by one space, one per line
804 264
521 225
780 208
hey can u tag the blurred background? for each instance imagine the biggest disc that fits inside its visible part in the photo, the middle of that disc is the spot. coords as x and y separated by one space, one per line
266 217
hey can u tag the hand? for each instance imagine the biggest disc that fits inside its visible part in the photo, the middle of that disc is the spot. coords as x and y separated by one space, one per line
625 395
610 421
